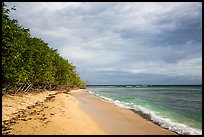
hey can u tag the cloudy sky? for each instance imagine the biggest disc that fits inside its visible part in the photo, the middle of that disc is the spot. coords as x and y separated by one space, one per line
121 43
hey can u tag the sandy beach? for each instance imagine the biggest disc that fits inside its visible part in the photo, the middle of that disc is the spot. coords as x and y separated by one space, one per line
71 113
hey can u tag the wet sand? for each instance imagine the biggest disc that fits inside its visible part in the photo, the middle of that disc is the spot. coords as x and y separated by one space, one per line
74 113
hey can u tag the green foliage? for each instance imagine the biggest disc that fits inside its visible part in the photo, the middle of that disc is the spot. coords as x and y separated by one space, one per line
28 60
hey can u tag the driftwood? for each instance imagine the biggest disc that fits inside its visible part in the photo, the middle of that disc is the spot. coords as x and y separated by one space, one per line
19 88
27 89
36 87
23 87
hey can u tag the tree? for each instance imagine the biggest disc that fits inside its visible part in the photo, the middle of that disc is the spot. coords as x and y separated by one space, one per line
29 60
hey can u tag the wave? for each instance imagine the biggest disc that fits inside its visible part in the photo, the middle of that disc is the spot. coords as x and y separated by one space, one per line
154 117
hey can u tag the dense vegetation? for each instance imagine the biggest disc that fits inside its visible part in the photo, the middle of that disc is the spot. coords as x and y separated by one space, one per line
28 62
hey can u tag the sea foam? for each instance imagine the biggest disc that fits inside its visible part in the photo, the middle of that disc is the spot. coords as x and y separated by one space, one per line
154 117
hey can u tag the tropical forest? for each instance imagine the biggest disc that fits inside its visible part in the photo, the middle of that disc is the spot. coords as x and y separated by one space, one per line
29 64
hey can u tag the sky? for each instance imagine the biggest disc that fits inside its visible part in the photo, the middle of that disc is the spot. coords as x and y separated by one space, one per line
151 43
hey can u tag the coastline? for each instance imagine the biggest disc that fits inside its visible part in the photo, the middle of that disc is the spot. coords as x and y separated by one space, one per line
79 113
115 120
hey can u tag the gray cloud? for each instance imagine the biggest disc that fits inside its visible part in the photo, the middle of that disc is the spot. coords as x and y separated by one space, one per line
122 42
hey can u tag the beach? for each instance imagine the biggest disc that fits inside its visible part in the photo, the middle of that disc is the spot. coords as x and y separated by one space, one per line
72 113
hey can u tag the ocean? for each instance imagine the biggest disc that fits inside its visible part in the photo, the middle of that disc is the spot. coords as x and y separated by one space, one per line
176 108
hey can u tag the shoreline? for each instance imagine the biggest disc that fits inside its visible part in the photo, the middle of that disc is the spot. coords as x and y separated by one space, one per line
73 113
91 104
156 117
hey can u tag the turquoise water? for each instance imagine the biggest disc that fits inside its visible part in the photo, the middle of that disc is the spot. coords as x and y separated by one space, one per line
177 108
